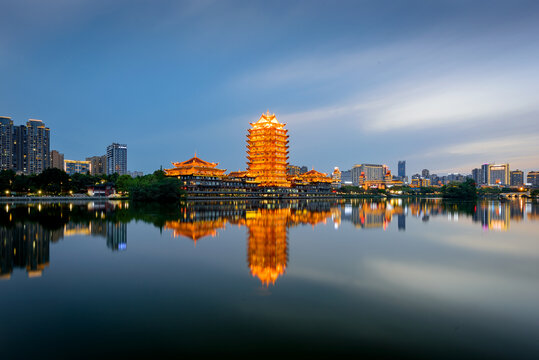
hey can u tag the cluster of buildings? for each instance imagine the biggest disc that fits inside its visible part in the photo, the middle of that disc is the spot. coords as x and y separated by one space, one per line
114 161
500 174
486 175
267 167
25 149
368 176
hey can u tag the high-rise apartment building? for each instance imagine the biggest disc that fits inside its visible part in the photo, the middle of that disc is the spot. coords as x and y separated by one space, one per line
117 159
371 172
425 173
20 149
57 160
346 177
402 169
484 174
98 164
533 178
6 143
477 175
24 148
498 174
38 146
517 178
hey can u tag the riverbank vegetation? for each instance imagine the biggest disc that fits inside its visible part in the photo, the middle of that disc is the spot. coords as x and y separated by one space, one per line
56 182
460 190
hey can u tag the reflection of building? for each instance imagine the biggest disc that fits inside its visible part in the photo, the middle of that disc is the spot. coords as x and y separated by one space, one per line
267 151
401 222
24 246
493 216
77 167
498 174
116 236
196 230
374 214
267 250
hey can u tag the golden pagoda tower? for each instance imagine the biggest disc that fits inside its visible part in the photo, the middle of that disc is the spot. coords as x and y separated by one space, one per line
267 151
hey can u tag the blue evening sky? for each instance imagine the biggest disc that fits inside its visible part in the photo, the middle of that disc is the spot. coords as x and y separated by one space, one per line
445 85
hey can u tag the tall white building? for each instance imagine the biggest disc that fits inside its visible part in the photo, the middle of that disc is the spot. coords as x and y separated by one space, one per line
117 159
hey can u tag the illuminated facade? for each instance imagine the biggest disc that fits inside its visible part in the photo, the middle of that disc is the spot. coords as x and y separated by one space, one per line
117 159
77 167
6 143
498 174
533 178
420 182
98 164
267 151
336 177
38 146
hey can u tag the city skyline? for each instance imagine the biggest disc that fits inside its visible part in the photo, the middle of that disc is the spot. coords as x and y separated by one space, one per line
448 87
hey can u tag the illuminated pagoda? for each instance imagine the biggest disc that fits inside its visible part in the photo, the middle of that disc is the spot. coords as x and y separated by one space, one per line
267 152
197 174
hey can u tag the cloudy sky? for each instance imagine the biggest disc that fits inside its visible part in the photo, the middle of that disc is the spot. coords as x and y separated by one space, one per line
445 85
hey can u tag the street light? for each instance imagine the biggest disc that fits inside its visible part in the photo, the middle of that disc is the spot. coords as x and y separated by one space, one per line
39 192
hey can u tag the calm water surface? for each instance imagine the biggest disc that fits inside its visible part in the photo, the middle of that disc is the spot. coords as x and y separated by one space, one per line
390 279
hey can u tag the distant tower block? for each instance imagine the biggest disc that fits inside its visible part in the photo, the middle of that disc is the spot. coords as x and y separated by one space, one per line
267 151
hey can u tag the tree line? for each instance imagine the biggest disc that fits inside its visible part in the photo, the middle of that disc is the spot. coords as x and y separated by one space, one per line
152 187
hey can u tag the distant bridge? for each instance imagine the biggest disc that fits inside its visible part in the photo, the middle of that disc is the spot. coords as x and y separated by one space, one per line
515 195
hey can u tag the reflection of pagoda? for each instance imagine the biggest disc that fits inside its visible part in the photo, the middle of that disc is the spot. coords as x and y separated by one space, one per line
267 253
197 229
267 151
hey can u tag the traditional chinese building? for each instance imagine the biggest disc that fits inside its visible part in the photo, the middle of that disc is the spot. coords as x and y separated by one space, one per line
198 174
267 152
311 181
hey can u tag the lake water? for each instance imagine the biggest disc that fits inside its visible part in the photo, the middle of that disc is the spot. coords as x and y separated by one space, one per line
374 279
